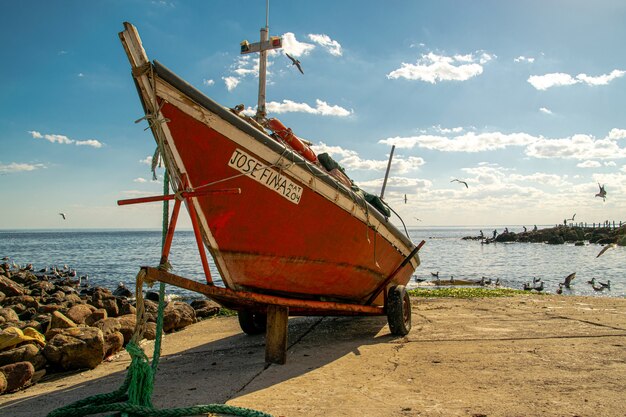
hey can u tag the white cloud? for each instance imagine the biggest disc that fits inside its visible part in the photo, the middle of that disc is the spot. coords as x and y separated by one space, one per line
433 68
147 160
589 164
333 47
558 79
579 146
321 108
231 82
62 139
395 184
140 180
469 142
445 130
609 164
295 48
545 110
19 167
208 82
351 160
80 74
89 142
522 58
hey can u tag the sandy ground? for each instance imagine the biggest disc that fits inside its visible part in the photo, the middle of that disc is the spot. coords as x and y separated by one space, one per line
523 356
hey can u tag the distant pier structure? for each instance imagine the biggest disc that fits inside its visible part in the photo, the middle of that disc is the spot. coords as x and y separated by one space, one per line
607 224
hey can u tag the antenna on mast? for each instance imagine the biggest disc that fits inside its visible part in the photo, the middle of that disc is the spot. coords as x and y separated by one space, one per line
262 47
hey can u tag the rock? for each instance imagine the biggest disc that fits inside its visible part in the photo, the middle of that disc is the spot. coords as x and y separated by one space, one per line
109 304
127 326
59 320
25 353
149 332
72 300
3 383
579 243
122 291
76 348
49 308
177 315
28 314
79 313
96 315
2 296
10 288
113 343
125 307
26 300
152 296
205 308
18 375
9 315
108 325
45 286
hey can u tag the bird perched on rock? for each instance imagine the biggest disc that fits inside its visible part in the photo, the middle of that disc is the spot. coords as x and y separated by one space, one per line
602 192
295 62
593 281
606 284
607 247
459 181
568 279
598 287
435 274
122 291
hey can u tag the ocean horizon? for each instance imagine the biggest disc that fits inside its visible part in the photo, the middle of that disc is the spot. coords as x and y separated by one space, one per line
111 256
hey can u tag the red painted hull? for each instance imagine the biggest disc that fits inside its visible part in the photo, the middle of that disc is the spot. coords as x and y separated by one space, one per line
282 234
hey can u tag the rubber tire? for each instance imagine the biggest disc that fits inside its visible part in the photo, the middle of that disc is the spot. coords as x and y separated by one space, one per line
252 322
399 311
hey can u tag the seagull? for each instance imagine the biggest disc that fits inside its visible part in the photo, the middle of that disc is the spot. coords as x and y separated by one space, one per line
602 192
419 220
604 249
605 285
560 289
405 199
598 287
62 215
462 182
435 274
572 219
568 279
295 62
593 281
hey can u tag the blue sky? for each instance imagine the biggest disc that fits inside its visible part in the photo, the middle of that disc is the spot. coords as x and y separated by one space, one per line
522 100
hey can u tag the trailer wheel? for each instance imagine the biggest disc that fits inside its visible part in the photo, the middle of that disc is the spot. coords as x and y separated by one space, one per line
399 311
252 322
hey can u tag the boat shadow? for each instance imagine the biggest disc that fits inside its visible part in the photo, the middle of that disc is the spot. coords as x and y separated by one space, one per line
224 368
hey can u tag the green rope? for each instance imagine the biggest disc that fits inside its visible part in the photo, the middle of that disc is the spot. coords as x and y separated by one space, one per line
134 397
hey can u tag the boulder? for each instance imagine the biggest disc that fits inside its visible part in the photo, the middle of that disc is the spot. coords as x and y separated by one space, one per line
14 336
127 326
125 307
10 288
76 348
96 315
149 331
27 300
59 320
152 296
113 343
44 286
2 296
9 315
72 299
108 325
18 375
79 313
49 308
3 383
25 353
109 304
205 308
178 315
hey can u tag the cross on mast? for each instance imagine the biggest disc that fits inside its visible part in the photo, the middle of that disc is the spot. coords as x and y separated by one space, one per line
266 43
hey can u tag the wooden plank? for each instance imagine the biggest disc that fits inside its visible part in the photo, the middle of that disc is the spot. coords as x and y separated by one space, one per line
276 335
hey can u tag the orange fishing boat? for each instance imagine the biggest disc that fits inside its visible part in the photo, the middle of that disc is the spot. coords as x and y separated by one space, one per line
282 229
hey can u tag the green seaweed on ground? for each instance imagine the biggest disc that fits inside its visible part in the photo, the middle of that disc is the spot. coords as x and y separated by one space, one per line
467 292
226 312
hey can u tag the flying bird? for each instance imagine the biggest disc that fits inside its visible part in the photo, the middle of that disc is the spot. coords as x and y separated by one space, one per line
419 220
62 215
568 279
295 62
572 219
405 199
607 247
459 181
602 192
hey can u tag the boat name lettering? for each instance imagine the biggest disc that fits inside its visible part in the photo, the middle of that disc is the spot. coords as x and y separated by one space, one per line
265 175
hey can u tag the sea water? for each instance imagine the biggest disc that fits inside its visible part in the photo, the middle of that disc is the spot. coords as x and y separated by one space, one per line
109 257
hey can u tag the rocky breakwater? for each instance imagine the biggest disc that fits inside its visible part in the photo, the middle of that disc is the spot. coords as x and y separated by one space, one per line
563 234
52 321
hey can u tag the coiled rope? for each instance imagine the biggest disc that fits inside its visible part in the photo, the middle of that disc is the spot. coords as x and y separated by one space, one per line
134 397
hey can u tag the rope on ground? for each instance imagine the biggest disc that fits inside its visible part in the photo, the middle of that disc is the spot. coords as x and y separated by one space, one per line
134 397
